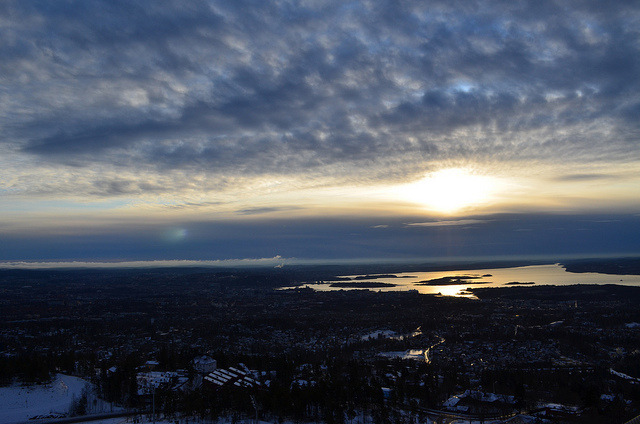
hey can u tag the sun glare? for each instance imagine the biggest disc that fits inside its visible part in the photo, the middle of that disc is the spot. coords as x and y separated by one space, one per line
450 190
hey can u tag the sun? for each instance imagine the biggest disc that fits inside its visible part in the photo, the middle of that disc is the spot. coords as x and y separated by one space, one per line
451 190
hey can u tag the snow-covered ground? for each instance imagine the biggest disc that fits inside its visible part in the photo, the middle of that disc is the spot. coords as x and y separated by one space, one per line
21 402
388 334
415 354
624 376
374 335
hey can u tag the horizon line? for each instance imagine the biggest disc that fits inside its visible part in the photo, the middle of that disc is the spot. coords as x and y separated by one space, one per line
281 262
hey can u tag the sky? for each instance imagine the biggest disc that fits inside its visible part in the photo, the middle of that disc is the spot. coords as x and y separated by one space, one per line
319 130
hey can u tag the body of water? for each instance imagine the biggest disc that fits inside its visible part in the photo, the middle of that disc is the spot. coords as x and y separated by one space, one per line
489 277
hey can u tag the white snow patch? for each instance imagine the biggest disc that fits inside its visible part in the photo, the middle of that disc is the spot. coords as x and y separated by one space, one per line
19 403
377 334
625 376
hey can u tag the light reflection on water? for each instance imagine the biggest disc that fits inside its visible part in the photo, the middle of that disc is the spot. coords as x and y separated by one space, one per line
539 274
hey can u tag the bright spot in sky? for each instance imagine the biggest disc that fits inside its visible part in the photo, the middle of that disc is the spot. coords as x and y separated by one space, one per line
175 234
451 190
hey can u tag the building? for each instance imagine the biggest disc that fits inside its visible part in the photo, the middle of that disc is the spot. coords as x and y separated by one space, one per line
204 364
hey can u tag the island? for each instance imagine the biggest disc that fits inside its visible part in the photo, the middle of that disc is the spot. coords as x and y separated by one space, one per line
452 280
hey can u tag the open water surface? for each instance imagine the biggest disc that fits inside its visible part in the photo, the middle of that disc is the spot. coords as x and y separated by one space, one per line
489 277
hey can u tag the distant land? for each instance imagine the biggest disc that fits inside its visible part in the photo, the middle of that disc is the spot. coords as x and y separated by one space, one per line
362 285
290 275
619 266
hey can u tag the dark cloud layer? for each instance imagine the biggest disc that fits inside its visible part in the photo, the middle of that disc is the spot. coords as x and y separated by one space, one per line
336 239
584 177
253 87
263 210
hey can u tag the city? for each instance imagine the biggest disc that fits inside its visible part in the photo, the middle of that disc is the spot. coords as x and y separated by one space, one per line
559 353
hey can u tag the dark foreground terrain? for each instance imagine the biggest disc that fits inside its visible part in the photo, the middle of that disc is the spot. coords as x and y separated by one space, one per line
555 354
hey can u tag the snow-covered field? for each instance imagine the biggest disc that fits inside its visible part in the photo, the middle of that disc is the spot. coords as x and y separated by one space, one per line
19 403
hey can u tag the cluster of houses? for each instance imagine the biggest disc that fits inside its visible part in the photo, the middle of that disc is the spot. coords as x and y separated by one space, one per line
205 371
476 401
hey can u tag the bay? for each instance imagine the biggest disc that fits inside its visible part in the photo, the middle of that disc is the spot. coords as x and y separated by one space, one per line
552 274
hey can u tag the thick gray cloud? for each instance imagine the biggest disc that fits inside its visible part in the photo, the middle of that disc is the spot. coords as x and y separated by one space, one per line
258 211
254 87
585 177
